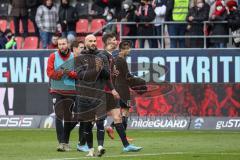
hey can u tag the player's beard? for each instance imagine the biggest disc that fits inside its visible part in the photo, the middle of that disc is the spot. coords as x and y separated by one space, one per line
93 48
64 52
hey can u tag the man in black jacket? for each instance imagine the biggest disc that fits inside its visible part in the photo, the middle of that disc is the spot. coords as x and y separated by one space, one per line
67 19
90 99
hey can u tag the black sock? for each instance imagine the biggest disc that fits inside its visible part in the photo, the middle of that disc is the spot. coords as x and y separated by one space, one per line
82 138
112 125
122 134
100 132
68 127
88 133
59 130
125 121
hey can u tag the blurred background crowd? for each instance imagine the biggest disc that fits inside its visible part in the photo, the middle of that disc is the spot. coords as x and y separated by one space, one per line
33 24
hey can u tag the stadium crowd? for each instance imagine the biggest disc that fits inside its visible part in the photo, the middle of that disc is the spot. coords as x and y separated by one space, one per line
41 19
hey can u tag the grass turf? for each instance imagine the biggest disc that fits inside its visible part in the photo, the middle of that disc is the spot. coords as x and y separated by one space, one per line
36 144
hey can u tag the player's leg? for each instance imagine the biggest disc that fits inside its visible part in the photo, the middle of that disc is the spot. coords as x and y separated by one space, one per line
116 115
68 127
125 115
58 123
88 126
82 146
100 137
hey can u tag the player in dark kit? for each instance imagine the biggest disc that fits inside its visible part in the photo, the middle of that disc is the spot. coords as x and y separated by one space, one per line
121 84
113 98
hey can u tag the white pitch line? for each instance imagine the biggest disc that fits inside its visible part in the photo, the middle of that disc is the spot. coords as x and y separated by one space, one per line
153 154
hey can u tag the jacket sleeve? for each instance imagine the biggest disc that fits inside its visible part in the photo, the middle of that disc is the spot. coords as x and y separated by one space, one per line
38 18
222 17
86 72
149 18
51 72
105 73
203 16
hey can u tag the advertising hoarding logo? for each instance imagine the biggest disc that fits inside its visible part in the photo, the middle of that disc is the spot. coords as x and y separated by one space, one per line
198 123
231 124
160 123
48 123
16 122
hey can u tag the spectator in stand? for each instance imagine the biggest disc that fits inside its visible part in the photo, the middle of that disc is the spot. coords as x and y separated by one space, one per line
145 14
82 8
46 19
19 12
32 10
4 8
7 40
54 43
111 28
114 5
196 15
67 20
127 14
233 19
98 8
220 14
160 11
177 11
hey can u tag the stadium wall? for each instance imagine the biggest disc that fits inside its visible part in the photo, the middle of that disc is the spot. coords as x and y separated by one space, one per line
192 84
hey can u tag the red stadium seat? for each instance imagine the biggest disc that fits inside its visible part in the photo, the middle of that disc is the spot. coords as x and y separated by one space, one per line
19 41
97 24
30 43
82 26
13 29
99 42
3 25
137 44
31 28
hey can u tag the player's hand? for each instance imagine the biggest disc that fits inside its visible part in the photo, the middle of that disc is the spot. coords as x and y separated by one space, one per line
115 94
99 64
190 18
115 71
59 74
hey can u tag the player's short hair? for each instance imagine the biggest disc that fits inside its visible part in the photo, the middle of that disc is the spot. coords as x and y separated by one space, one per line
108 36
125 45
61 38
76 43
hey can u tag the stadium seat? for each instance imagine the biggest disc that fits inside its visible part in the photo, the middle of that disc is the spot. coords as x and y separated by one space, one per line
118 28
97 24
19 41
30 43
137 44
31 28
13 29
3 25
82 26
99 42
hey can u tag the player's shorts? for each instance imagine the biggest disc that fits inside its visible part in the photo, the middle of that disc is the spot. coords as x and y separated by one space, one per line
111 102
123 104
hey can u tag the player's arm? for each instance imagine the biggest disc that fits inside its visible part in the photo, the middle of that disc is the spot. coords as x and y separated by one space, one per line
51 72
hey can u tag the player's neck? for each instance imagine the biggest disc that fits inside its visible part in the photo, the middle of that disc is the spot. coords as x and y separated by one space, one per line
109 51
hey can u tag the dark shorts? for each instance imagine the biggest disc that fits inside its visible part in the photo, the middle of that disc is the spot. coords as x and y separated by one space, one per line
123 104
111 102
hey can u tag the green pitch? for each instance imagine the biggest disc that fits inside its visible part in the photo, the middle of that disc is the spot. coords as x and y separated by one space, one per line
16 144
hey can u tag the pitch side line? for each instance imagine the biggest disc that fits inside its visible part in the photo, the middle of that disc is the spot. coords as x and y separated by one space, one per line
153 154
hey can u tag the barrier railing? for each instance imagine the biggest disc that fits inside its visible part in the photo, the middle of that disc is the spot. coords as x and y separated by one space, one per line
163 36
